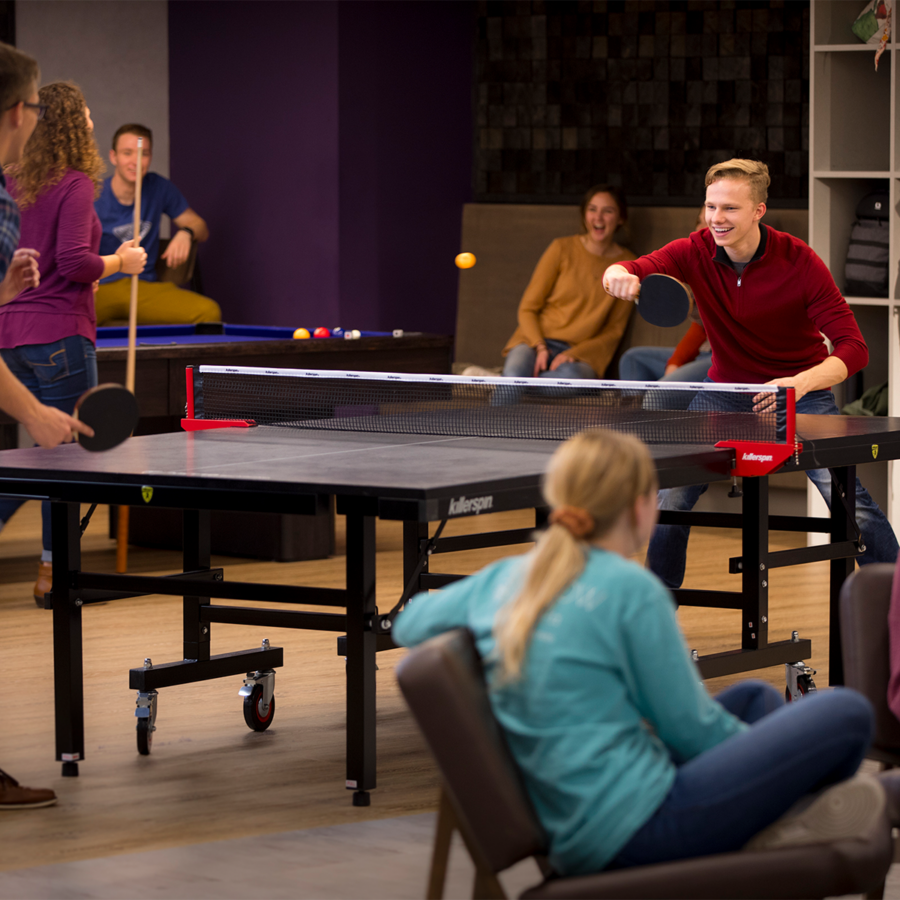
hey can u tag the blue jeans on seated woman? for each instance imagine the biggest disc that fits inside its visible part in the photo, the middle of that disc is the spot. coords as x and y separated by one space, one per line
57 374
668 546
649 364
723 797
520 363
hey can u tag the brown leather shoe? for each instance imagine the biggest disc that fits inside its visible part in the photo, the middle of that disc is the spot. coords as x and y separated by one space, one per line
44 583
14 796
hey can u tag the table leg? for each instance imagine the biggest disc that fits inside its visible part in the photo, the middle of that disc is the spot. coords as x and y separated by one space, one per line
413 535
68 669
360 657
755 569
841 569
196 556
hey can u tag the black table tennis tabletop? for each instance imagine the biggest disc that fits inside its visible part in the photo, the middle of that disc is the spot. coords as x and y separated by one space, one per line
414 478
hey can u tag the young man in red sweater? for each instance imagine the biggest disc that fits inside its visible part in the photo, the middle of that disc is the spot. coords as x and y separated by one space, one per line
765 299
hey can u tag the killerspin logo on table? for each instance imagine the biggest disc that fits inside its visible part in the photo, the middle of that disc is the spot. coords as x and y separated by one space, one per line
470 506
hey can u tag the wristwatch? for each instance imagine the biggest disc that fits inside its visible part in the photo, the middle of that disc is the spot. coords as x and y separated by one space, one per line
189 231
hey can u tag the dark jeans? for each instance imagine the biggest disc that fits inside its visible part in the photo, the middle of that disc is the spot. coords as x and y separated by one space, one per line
668 545
723 797
57 374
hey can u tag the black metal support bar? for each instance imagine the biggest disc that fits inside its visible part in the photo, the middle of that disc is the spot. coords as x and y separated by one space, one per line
273 618
68 667
755 576
843 525
801 555
189 671
709 599
430 581
177 585
816 524
732 662
196 556
360 656
382 642
79 581
485 539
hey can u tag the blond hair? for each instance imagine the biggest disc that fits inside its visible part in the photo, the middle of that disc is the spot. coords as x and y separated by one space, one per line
62 141
752 170
602 473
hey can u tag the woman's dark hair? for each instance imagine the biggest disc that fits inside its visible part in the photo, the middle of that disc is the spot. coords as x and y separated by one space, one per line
616 193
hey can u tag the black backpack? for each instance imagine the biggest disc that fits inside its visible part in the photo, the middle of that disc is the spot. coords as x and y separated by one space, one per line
866 271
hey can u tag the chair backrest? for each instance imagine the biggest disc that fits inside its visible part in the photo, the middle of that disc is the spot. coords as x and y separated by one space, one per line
443 683
865 601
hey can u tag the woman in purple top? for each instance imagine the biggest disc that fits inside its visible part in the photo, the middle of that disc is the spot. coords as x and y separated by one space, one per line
48 333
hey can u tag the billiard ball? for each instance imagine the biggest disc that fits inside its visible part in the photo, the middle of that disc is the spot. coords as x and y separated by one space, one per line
321 333
465 260
301 334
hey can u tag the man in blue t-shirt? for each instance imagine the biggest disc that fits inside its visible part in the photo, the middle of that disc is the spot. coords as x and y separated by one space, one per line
159 302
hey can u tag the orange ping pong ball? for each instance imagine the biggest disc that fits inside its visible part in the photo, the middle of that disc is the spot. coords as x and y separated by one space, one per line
301 334
465 260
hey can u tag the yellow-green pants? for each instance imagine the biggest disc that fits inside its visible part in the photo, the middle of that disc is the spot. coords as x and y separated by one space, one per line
159 303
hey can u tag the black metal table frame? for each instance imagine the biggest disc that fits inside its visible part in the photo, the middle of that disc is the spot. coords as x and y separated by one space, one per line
754 565
366 631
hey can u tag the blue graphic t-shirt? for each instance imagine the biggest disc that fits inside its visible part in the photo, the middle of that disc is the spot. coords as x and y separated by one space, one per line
158 196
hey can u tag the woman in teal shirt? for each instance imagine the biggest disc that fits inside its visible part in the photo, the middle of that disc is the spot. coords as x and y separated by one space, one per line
627 758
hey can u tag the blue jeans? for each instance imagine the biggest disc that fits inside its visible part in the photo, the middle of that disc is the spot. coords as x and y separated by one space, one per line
57 374
520 363
668 545
649 364
723 797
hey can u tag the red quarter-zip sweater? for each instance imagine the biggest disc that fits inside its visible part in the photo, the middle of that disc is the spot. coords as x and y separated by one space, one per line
765 323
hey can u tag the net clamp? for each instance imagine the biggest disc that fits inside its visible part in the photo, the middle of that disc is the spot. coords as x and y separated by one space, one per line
754 458
207 424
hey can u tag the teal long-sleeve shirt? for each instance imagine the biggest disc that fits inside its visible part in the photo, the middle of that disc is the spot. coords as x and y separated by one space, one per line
608 705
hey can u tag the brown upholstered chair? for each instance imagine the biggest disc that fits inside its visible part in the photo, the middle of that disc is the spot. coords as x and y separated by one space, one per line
484 799
865 601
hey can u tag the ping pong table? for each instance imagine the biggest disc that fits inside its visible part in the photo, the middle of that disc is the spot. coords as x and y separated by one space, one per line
413 478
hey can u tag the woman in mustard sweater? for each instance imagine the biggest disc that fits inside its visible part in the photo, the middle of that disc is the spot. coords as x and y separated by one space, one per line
569 327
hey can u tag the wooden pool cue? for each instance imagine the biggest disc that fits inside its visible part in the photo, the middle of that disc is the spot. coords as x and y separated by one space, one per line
122 530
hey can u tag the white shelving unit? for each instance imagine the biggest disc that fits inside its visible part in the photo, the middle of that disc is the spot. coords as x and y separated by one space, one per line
854 150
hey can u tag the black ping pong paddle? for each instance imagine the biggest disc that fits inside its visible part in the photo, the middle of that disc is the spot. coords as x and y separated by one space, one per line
663 301
112 411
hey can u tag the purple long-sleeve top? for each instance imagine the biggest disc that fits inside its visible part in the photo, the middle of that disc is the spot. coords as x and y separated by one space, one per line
63 227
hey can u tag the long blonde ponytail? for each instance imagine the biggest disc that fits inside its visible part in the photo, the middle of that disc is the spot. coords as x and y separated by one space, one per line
593 476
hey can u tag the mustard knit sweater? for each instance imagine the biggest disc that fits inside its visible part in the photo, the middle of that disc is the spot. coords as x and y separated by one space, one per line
565 301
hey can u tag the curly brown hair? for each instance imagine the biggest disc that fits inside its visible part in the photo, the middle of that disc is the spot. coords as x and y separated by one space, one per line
61 141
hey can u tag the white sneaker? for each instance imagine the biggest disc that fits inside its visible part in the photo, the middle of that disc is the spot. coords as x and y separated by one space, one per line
845 810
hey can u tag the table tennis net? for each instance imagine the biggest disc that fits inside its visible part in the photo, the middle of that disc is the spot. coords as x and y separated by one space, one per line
523 408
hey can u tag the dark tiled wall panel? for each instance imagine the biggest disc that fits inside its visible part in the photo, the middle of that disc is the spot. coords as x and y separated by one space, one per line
644 94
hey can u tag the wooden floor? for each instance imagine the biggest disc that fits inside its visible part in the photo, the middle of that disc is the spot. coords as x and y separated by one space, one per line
209 777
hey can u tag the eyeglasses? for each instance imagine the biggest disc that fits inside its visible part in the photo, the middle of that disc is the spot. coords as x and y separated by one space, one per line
39 108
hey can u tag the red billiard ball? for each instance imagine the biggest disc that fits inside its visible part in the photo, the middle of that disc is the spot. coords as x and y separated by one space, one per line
321 332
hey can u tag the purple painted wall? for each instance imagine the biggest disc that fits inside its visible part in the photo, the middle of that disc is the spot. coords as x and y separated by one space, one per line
347 129
253 113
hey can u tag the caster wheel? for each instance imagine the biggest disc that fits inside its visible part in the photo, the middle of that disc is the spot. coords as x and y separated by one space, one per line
805 685
144 736
253 710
